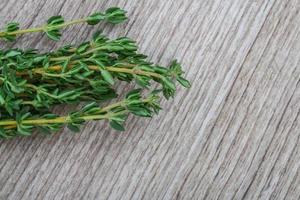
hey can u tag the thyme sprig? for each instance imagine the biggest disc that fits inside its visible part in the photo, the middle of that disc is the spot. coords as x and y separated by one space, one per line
116 114
54 24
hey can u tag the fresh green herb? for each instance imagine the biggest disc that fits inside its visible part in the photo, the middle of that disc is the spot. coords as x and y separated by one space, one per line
56 23
116 113
31 83
71 75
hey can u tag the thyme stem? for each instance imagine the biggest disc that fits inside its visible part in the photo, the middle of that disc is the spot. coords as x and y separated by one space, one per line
66 119
43 28
41 71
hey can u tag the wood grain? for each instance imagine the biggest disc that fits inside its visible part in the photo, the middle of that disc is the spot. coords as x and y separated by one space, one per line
233 135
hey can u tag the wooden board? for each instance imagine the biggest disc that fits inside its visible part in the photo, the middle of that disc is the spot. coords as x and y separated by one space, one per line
233 135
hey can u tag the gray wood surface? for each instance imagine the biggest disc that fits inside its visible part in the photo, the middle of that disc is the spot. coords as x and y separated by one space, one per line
233 135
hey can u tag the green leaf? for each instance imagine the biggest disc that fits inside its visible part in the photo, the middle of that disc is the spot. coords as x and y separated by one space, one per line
3 133
89 108
55 20
116 125
107 77
10 38
142 81
25 116
65 65
161 70
134 94
22 129
169 84
44 130
15 88
46 62
66 94
95 18
74 127
2 100
54 35
140 111
12 53
12 26
175 65
38 59
97 34
115 15
83 47
114 48
185 83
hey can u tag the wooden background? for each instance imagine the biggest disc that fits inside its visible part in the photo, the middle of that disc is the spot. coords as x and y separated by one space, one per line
233 135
